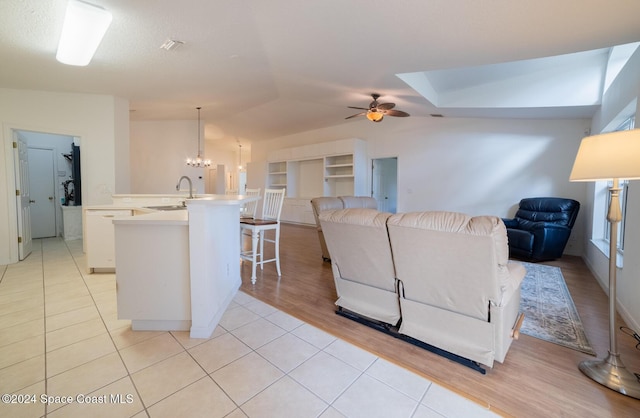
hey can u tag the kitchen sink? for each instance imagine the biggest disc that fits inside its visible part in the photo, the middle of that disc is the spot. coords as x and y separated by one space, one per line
167 207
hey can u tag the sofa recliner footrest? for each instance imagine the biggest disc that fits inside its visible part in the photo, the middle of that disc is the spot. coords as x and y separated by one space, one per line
393 331
473 338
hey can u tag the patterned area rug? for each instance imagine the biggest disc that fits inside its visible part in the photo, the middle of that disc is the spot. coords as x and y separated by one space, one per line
550 313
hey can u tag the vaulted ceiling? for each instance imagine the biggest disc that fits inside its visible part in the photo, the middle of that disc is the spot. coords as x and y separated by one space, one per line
263 69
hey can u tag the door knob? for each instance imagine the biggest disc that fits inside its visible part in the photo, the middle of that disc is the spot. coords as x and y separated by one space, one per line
32 201
50 197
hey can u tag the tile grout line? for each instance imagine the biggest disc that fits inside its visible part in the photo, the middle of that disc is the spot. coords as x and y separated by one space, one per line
255 351
260 313
44 325
287 374
75 261
417 402
117 350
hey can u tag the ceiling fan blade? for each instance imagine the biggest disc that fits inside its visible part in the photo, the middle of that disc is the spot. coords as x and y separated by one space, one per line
399 113
386 106
361 108
357 114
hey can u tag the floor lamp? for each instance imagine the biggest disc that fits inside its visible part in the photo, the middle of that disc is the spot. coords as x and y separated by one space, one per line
610 156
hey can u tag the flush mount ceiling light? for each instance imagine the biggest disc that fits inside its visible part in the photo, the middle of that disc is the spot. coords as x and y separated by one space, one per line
83 29
198 161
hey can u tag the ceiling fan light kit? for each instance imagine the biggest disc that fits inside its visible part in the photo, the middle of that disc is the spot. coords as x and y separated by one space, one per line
377 111
374 116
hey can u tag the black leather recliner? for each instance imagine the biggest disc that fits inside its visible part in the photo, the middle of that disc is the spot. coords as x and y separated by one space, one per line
541 227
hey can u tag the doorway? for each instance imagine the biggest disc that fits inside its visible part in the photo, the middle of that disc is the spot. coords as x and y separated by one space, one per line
49 166
216 180
42 193
384 183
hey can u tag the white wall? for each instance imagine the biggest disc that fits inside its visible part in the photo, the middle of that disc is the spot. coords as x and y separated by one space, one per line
100 123
475 166
159 150
624 90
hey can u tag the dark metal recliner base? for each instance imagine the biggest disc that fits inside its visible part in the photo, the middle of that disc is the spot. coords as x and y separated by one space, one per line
394 332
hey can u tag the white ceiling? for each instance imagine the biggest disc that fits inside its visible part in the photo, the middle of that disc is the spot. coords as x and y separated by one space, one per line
267 68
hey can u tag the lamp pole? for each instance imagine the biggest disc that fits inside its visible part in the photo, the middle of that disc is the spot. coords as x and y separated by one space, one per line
611 371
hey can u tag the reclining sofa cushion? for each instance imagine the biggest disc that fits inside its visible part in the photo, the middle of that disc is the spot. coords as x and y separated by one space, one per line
365 202
458 290
362 264
319 204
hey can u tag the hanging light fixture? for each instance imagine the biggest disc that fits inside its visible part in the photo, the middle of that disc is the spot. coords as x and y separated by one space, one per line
240 157
198 161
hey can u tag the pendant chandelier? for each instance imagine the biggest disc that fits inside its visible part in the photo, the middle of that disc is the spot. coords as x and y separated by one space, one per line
198 161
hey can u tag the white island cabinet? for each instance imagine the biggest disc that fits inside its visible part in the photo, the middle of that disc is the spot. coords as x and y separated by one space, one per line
179 270
153 279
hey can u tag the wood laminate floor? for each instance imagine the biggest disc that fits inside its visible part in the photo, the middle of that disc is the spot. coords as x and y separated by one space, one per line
537 379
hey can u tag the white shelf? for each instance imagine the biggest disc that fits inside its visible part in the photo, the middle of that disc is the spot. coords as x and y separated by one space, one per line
339 175
277 175
334 168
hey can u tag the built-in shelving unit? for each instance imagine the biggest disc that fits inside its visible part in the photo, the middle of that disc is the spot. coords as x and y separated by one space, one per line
277 175
336 168
339 175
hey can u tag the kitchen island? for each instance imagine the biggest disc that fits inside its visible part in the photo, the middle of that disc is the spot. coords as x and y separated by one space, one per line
179 269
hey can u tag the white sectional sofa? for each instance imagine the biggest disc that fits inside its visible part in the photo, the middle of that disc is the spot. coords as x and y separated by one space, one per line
439 279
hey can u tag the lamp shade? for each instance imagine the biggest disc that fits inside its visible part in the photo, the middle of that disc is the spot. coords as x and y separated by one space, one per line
614 155
83 29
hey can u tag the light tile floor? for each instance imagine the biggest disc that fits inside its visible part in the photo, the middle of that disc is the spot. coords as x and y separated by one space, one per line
64 353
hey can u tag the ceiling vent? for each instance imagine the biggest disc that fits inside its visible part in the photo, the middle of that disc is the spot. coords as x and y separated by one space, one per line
171 45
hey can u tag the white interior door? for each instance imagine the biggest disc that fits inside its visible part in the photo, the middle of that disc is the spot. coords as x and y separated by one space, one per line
21 163
384 187
42 193
213 181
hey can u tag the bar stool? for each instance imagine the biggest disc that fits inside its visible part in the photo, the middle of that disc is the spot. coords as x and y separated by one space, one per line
248 210
271 209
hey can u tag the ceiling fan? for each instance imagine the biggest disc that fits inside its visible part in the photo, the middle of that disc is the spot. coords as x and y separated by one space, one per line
377 111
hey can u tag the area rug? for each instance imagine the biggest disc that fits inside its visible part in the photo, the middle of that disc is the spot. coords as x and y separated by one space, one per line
550 313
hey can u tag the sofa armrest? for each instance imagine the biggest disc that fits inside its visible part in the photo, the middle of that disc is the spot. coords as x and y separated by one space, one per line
510 223
516 273
549 240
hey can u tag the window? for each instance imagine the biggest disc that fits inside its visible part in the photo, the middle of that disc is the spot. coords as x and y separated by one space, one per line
624 192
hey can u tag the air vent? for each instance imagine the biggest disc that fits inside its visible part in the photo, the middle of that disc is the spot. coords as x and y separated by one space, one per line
171 44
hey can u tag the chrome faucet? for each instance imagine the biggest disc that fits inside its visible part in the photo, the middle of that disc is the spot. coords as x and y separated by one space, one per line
190 185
